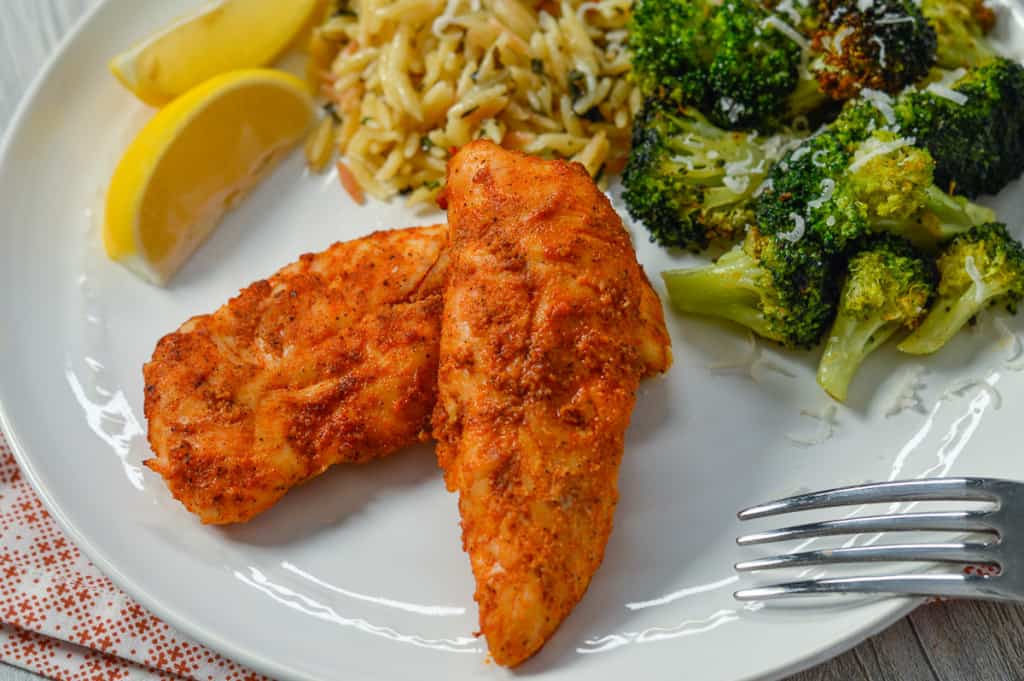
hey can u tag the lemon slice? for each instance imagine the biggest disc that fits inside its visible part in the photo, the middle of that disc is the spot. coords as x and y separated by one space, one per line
227 35
194 160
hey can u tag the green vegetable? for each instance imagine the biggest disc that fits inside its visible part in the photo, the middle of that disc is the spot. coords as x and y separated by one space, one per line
689 181
961 26
884 45
888 288
978 146
982 267
840 193
779 290
730 60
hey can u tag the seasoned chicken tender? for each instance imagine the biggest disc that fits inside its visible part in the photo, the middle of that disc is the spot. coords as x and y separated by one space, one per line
549 324
331 360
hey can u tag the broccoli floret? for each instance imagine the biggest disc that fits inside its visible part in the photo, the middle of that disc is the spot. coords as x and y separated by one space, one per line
800 197
885 45
855 123
893 180
670 48
961 27
780 290
982 267
977 142
838 195
888 288
690 182
755 70
730 60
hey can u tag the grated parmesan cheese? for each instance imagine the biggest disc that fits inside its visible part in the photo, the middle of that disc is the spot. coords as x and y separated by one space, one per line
890 19
778 24
694 142
766 186
743 362
732 109
738 173
945 92
839 38
907 393
979 284
880 101
800 153
873 148
828 188
751 363
881 49
786 6
1012 361
738 184
960 386
826 418
797 233
773 21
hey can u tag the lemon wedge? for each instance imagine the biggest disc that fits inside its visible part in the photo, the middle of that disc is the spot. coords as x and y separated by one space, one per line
227 35
194 160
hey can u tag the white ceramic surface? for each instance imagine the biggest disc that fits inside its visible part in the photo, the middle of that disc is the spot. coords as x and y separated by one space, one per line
360 574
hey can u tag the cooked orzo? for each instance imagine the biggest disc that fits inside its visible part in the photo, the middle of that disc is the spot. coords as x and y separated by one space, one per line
408 80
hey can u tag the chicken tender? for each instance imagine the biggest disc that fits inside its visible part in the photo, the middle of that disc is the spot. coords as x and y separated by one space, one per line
331 360
549 324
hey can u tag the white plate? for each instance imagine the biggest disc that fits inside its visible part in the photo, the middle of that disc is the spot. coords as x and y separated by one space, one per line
360 575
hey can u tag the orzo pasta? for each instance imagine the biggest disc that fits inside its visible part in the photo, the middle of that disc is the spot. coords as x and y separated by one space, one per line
411 79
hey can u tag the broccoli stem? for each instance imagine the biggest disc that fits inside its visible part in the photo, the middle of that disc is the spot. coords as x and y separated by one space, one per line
725 290
849 343
946 318
806 97
955 214
942 218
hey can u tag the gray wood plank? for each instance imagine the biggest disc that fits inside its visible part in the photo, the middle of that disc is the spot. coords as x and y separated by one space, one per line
896 653
846 667
972 640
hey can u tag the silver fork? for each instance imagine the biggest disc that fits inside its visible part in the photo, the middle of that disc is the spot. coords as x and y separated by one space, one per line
1005 550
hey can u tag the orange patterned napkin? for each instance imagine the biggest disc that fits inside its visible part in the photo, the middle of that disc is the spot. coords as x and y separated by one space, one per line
60 617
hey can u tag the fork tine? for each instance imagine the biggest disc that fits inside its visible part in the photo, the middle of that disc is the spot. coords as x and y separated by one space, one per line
942 521
944 489
953 586
956 552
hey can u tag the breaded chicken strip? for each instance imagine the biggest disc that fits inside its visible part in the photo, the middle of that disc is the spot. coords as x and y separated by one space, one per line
333 359
549 324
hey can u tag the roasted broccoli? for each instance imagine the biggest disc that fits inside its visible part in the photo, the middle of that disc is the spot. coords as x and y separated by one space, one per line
982 267
780 290
960 27
689 181
973 126
734 61
800 196
888 287
838 193
670 48
883 45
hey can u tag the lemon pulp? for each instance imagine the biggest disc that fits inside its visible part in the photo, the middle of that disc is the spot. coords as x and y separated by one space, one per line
194 160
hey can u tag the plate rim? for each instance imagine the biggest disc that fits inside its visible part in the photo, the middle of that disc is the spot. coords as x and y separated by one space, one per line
895 609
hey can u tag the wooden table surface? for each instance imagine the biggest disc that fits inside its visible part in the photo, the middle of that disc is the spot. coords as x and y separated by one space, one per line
962 641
